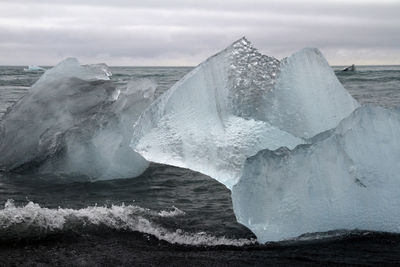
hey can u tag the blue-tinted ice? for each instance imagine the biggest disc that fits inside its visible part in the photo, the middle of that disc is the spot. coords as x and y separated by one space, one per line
348 178
75 121
236 103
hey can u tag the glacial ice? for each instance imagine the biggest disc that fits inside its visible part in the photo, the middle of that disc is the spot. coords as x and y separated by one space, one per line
71 68
33 68
348 178
236 103
75 121
308 98
211 119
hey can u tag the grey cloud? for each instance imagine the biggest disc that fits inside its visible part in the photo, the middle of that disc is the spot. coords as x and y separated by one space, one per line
174 32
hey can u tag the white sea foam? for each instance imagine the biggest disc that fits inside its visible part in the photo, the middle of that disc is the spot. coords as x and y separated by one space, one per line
171 213
32 218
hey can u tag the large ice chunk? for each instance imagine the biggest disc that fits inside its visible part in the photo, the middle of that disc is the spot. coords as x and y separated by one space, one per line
213 118
308 98
349 178
237 103
75 121
34 68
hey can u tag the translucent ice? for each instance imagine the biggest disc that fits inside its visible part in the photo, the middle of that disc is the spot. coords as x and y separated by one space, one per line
213 118
71 68
75 121
237 103
349 178
308 98
33 68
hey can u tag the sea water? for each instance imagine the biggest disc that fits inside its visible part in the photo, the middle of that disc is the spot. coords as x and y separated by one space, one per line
174 213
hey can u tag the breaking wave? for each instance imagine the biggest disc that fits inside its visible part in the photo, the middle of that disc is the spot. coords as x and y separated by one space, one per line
34 221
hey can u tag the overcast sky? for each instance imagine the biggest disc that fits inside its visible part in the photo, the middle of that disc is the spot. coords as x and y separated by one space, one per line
183 32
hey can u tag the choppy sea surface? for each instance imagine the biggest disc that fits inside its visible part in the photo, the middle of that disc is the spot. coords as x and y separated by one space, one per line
168 215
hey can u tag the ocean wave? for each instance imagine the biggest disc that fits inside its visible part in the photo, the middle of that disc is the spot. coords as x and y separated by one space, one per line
32 220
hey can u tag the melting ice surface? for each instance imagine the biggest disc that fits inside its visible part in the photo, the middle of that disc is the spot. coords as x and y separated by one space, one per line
74 120
237 103
308 98
348 178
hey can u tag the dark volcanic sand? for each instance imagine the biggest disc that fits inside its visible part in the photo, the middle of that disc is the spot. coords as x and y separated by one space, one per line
136 249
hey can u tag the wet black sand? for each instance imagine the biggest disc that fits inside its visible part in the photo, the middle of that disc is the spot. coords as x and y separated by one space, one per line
136 249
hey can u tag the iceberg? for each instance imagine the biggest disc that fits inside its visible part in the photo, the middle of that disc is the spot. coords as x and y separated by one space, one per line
211 119
34 68
347 178
74 120
237 103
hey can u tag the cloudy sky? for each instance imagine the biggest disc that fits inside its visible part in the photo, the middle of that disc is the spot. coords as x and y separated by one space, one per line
183 32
